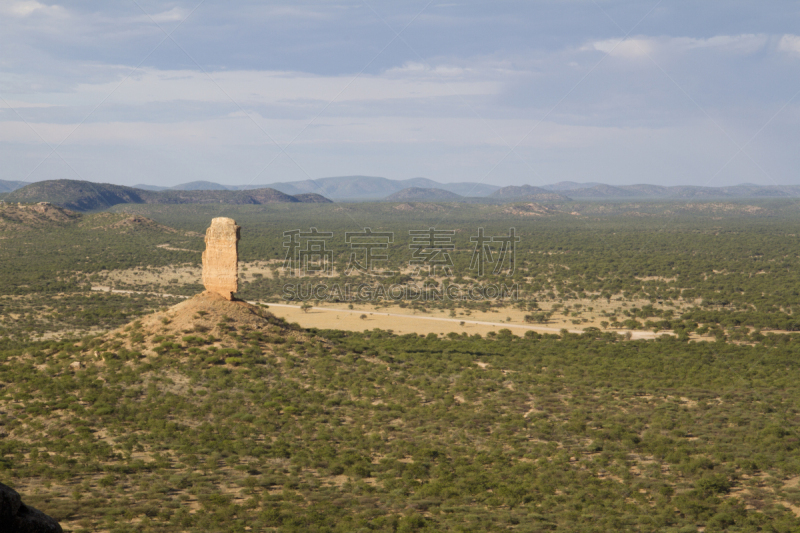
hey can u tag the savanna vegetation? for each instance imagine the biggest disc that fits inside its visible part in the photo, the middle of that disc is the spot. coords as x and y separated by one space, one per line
222 426
239 428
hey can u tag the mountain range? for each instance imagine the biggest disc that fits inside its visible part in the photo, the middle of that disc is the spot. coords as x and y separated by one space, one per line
91 196
345 187
421 194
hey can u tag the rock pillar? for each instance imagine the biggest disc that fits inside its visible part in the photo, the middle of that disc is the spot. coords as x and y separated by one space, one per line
221 258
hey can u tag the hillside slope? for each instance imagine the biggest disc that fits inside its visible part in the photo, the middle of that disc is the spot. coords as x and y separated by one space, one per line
8 186
527 193
419 194
375 188
212 416
602 191
78 195
89 196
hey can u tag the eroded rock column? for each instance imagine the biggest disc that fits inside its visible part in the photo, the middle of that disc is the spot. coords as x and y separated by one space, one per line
221 258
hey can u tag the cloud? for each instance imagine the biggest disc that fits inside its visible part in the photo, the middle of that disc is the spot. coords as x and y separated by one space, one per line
175 14
629 48
417 69
466 78
27 7
790 43
638 47
272 87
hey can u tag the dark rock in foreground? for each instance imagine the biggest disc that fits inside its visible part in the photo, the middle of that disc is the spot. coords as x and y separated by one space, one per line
16 517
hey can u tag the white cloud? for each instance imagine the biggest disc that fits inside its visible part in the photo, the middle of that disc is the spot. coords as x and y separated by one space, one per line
790 43
743 44
175 14
629 48
416 69
646 46
273 87
26 8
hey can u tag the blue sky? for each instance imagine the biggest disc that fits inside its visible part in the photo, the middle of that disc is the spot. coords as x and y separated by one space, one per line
503 92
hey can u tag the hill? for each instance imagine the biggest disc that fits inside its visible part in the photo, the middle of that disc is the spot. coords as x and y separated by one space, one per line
312 198
206 311
352 187
527 193
8 186
255 196
569 186
376 188
420 194
78 195
367 187
214 416
203 186
343 187
88 196
602 191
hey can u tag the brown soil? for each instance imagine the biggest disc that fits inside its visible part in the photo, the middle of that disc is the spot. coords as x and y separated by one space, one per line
207 310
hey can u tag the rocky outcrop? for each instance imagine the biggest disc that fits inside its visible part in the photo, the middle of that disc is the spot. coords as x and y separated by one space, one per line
221 258
16 517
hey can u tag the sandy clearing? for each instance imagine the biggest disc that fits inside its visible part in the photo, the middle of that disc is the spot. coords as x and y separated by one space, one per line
402 323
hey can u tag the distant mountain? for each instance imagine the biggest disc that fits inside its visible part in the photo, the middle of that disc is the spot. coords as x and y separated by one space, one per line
420 194
203 186
528 193
351 187
88 196
683 192
695 192
469 189
255 196
311 198
78 195
8 186
602 191
92 196
569 186
645 189
343 187
368 187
